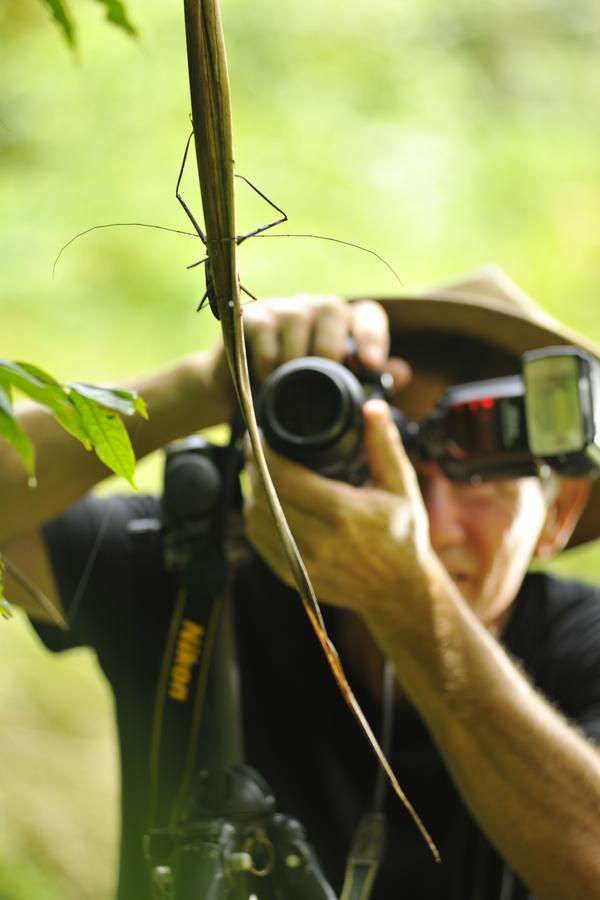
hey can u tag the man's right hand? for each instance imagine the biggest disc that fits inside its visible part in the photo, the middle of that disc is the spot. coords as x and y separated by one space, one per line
283 329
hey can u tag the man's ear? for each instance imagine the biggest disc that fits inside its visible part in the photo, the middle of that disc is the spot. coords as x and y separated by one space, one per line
563 515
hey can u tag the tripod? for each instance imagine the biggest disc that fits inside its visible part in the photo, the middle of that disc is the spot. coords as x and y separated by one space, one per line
219 838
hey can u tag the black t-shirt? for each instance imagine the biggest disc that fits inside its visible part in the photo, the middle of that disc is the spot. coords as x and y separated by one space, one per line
298 731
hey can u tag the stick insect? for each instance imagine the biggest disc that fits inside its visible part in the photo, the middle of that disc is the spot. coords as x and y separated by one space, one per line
211 117
209 293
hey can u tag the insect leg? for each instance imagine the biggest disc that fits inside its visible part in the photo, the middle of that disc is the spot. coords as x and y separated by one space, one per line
186 208
199 263
202 303
283 217
209 294
246 291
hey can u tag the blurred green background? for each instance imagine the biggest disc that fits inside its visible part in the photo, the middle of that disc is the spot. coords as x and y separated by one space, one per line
439 135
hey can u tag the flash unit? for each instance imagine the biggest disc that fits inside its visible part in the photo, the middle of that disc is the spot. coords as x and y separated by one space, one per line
562 403
548 415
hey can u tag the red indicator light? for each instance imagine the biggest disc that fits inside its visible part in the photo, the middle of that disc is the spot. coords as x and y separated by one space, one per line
474 405
488 403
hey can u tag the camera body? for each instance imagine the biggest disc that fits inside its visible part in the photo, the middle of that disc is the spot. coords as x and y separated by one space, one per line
310 410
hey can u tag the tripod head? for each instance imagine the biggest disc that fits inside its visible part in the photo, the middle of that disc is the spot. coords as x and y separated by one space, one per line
233 846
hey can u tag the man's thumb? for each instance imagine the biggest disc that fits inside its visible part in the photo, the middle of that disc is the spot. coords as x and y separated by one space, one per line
388 463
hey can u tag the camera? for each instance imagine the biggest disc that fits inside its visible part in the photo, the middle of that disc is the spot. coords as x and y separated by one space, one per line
310 410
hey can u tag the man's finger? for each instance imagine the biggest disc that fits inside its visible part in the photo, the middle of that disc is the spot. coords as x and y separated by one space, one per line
371 333
295 336
400 371
269 549
330 333
262 337
302 488
388 463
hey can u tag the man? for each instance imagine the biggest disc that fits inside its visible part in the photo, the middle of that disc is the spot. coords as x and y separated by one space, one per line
498 694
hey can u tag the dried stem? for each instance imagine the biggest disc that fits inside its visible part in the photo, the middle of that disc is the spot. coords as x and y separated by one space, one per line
211 115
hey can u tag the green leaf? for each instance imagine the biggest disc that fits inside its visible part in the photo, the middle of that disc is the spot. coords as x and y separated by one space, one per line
44 389
87 412
108 435
62 16
37 373
5 608
115 12
125 402
69 417
139 404
25 379
14 434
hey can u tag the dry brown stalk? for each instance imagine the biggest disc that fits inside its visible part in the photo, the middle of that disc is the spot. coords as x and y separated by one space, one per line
211 115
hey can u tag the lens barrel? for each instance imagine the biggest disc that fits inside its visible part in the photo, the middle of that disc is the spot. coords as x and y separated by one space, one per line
310 410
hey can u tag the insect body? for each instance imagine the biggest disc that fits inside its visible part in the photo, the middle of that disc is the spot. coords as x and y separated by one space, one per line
209 294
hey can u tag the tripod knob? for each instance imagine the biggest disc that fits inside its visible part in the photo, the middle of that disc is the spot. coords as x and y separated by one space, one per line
240 862
238 792
162 879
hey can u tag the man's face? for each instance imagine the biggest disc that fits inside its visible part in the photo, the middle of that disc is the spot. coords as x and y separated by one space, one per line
485 535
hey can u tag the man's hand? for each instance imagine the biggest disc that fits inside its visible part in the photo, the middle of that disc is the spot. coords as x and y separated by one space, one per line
283 329
365 548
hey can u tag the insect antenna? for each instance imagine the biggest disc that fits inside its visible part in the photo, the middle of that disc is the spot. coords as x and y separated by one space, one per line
258 232
323 237
118 225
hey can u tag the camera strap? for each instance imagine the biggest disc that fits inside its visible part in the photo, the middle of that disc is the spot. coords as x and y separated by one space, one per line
368 843
180 702
205 575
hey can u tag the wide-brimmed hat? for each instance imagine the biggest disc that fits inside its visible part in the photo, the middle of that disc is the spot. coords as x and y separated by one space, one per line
485 303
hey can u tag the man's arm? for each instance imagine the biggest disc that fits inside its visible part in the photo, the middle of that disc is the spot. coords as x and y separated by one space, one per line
182 398
192 394
529 778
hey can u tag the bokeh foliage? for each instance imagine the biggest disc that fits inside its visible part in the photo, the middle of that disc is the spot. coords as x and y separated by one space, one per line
61 13
439 135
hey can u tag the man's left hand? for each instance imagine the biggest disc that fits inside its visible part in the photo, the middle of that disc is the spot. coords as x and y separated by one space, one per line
363 547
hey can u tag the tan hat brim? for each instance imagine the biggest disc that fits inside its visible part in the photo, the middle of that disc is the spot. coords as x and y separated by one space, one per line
512 329
514 326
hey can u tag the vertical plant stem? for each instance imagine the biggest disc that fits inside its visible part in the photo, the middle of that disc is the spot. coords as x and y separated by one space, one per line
211 115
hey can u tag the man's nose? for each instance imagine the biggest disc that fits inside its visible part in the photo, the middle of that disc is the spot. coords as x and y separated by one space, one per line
445 512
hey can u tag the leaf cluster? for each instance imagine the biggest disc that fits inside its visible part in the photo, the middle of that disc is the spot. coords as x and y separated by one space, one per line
89 413
115 13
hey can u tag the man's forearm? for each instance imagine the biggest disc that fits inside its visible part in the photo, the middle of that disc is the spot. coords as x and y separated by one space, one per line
531 781
183 398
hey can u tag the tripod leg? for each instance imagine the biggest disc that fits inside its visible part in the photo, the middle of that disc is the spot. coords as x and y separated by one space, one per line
298 872
199 867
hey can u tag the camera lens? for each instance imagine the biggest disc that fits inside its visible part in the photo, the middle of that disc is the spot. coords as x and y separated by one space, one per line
311 410
309 406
